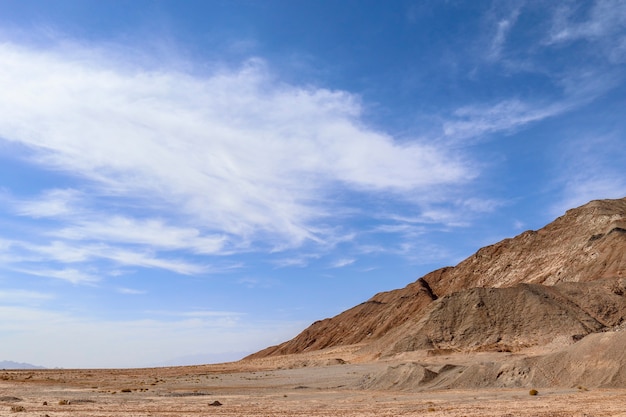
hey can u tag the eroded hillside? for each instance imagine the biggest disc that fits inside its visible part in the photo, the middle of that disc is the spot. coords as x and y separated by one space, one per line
567 278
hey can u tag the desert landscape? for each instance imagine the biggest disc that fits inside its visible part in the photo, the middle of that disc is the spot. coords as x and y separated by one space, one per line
276 389
530 326
332 208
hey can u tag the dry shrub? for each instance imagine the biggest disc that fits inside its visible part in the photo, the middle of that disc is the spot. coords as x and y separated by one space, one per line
17 408
533 392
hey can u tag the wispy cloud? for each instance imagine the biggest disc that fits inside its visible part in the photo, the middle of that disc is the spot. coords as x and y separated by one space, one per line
341 263
234 151
82 223
589 167
153 232
502 29
599 27
604 18
21 256
474 121
603 25
299 260
53 203
131 291
73 275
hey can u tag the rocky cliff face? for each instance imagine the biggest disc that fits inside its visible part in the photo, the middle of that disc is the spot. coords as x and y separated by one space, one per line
568 278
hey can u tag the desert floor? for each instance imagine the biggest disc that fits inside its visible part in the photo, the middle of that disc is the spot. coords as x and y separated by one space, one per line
263 389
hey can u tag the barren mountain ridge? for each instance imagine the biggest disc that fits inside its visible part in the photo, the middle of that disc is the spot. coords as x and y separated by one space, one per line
566 279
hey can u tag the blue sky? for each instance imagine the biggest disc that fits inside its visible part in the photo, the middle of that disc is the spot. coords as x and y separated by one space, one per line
186 182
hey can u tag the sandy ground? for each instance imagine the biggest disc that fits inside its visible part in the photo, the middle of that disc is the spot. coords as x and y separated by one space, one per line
264 390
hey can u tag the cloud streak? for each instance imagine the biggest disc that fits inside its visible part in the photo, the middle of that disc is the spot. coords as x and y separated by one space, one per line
605 22
474 121
26 257
503 27
233 151
590 168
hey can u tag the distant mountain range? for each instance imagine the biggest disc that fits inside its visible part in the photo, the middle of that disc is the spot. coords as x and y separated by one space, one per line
18 365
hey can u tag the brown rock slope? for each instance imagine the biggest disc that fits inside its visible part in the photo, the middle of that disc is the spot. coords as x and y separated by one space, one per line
567 278
510 319
366 322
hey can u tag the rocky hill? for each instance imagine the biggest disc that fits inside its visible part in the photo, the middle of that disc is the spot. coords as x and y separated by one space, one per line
566 279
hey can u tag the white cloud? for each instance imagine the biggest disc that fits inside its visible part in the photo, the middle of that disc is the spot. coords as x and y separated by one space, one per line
232 152
149 260
58 251
73 275
478 205
53 203
300 260
604 26
503 27
406 229
507 115
605 17
590 167
131 291
20 256
341 263
152 232
579 190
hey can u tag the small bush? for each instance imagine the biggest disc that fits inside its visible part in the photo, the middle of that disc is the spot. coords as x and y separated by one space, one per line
17 408
533 392
64 402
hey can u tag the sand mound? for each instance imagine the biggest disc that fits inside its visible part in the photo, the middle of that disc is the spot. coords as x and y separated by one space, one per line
406 376
598 360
